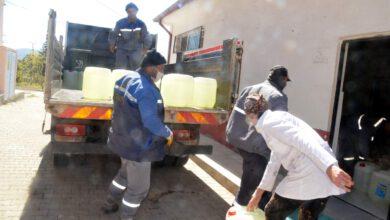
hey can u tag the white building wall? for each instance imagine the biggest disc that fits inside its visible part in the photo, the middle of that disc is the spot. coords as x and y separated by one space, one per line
302 35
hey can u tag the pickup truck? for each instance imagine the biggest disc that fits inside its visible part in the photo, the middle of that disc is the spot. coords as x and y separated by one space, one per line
80 126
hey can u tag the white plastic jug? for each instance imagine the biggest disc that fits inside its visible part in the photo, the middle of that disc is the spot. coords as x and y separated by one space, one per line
97 83
177 90
116 75
362 175
119 73
379 190
239 213
205 92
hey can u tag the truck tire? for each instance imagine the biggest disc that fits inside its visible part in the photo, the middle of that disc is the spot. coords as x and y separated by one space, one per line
60 160
181 161
172 161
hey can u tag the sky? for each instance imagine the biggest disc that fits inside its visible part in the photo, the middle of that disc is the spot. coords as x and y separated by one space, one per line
25 21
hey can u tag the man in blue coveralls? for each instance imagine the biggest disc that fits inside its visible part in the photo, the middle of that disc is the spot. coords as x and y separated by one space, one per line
137 134
130 40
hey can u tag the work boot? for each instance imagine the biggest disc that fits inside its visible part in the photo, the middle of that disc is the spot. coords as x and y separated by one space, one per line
109 206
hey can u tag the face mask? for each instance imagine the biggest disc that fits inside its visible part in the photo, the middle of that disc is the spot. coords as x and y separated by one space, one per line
159 76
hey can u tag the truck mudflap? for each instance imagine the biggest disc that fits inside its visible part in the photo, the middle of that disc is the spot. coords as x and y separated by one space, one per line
172 115
179 149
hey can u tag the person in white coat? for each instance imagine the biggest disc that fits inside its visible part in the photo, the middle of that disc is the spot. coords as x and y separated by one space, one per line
313 172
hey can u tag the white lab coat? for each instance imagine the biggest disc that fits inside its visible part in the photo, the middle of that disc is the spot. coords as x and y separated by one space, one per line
302 152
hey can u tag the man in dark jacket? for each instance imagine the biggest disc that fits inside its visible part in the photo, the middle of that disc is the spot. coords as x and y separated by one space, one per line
247 141
137 134
130 39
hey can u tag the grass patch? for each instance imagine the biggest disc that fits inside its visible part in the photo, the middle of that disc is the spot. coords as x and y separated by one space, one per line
29 86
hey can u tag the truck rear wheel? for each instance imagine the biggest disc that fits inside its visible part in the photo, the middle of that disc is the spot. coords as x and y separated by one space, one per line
181 161
172 161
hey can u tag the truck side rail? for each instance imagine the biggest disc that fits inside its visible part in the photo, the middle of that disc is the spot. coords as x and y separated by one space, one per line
225 67
54 58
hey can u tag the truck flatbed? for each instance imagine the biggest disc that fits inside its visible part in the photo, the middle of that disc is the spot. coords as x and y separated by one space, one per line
73 99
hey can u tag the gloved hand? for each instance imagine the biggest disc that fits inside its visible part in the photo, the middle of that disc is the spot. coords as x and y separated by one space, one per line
170 139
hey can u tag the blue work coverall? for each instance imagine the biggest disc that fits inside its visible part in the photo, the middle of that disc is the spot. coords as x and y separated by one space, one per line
130 38
138 135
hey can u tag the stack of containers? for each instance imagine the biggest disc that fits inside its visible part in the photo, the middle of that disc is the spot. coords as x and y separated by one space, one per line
370 179
177 90
180 90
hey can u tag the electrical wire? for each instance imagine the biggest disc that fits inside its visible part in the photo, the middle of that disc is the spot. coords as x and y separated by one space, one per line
108 7
16 5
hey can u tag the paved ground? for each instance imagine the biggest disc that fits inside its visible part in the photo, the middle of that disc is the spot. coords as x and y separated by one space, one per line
31 188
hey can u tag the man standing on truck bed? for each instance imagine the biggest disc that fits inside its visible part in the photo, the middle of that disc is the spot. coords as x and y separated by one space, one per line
130 39
137 134
248 142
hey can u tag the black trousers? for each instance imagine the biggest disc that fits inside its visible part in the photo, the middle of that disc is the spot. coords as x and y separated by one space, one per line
252 172
279 208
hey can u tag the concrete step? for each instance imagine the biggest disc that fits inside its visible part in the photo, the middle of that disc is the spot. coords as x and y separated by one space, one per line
224 165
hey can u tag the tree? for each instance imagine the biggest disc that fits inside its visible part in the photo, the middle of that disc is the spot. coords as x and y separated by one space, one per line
42 52
44 49
30 70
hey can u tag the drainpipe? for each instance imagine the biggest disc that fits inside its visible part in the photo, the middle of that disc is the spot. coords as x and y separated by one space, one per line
170 40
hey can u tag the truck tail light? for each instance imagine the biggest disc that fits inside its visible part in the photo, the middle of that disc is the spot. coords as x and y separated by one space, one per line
182 135
70 130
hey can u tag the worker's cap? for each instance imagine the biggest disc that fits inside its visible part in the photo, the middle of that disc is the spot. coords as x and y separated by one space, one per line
153 58
131 5
279 70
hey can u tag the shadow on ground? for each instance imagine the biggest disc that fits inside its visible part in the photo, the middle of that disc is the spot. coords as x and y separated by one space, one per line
78 191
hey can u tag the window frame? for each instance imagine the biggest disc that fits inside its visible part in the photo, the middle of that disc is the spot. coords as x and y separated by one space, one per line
181 41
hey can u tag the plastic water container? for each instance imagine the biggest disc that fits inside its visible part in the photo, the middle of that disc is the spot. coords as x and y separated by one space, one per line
115 76
379 190
71 80
177 90
240 213
119 73
362 175
205 92
97 83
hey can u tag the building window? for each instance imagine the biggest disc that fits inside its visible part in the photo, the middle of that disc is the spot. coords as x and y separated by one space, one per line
190 40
